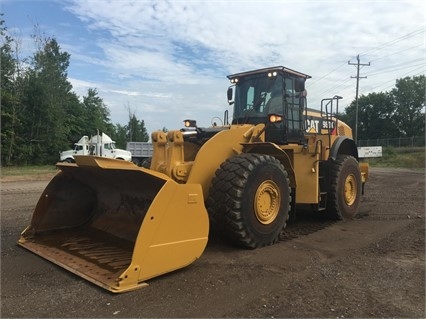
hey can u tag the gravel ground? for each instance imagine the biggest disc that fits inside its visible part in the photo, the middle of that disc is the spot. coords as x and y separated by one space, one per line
372 266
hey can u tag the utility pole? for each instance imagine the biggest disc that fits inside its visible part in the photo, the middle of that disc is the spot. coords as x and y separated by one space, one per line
357 77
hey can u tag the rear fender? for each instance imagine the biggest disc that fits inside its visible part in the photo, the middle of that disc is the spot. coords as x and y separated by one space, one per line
343 145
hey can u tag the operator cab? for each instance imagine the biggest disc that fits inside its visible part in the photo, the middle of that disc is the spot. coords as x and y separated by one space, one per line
275 96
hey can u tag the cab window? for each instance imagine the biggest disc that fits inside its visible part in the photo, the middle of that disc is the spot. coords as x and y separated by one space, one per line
293 105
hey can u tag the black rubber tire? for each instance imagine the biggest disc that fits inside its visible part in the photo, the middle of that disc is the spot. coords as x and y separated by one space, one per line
249 201
345 188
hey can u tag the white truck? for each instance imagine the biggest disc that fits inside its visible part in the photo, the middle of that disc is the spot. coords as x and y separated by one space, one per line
99 145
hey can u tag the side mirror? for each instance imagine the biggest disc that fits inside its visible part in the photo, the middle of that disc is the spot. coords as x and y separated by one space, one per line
230 94
299 85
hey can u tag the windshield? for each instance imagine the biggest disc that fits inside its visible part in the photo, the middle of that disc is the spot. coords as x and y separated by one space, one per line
109 146
255 95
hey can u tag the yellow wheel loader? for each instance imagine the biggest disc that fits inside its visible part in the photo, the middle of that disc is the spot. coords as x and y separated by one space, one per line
118 225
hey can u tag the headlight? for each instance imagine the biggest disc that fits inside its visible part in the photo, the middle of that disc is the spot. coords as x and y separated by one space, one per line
275 118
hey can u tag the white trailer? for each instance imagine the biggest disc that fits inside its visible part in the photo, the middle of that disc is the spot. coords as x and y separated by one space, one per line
141 151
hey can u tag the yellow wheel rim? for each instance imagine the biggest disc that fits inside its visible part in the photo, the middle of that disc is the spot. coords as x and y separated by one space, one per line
350 189
267 202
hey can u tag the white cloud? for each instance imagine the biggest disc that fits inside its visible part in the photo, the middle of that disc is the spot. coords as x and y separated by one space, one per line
80 87
170 58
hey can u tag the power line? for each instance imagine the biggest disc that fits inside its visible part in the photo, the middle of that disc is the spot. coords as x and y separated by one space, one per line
322 77
396 68
406 49
321 86
358 65
392 42
394 80
336 88
332 87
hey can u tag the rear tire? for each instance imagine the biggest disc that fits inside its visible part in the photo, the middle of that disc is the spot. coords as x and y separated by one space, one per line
249 201
345 188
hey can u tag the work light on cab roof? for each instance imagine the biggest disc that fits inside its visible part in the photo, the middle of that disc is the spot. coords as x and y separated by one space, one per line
190 123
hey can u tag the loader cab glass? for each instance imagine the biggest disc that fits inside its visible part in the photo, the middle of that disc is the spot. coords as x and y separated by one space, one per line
257 96
251 94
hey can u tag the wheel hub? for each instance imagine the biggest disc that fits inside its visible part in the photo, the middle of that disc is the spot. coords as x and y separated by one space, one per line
267 202
350 189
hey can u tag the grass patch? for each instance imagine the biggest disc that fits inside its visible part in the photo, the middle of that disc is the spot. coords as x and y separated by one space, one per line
27 170
400 158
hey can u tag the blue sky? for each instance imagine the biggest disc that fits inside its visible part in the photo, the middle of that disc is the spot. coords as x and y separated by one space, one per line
167 61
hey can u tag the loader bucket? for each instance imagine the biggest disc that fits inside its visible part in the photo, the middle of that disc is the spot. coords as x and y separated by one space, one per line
117 224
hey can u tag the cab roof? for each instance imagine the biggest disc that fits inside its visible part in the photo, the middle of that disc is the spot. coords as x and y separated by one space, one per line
280 69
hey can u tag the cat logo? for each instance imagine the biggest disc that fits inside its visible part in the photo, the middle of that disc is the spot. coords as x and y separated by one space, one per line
320 126
312 125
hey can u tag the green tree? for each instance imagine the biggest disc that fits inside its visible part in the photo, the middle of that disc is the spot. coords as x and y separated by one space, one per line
143 133
9 98
40 114
375 116
96 114
136 130
73 122
120 136
397 113
409 100
46 102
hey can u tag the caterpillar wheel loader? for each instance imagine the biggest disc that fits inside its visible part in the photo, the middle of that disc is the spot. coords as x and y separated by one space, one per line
118 225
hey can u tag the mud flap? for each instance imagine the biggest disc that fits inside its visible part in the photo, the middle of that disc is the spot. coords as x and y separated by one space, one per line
117 224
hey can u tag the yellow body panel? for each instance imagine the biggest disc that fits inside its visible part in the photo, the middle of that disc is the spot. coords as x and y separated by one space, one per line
364 171
342 128
306 172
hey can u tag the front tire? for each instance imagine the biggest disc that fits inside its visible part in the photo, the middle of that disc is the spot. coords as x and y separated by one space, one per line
345 188
249 200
